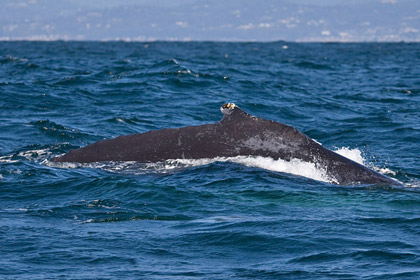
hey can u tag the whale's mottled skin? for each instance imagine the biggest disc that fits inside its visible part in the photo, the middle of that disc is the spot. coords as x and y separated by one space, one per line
238 133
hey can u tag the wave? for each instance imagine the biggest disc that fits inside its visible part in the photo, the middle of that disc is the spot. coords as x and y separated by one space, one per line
313 65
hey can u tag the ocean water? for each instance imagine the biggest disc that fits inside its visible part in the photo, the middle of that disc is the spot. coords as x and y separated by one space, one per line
223 218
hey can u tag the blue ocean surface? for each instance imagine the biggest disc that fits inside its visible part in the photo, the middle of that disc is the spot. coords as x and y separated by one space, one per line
223 218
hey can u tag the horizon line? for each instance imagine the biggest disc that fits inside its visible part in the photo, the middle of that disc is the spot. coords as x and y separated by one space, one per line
128 40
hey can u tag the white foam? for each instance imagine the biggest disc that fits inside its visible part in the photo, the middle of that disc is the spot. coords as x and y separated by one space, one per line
189 72
356 155
174 61
31 154
384 170
353 154
16 209
414 184
294 166
71 165
97 203
7 159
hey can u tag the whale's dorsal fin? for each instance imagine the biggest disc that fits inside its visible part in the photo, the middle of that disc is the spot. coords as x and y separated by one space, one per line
232 112
228 108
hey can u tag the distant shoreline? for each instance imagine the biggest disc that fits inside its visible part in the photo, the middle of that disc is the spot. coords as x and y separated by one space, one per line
203 41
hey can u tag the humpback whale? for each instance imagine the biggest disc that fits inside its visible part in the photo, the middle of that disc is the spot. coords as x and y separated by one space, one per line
237 134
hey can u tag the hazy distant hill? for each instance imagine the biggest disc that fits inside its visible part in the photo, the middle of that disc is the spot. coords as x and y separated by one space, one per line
232 20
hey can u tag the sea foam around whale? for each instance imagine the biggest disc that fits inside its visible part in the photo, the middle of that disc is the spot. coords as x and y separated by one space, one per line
295 166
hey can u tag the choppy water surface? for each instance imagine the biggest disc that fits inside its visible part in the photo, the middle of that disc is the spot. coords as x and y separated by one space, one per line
212 218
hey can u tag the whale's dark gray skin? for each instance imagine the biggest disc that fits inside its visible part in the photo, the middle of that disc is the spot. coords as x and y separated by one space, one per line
238 133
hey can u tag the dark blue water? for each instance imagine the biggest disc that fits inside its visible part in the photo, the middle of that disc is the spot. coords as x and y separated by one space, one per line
216 219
